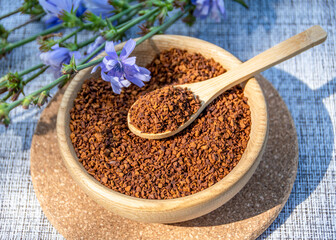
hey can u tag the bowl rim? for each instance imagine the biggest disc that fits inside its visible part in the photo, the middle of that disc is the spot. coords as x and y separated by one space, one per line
77 171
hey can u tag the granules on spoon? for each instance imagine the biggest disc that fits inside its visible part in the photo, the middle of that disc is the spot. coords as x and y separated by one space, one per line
164 109
193 160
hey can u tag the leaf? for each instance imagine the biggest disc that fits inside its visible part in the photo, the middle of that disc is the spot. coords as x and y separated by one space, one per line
242 2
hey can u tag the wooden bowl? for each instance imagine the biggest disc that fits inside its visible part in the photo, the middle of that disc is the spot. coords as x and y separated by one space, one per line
178 209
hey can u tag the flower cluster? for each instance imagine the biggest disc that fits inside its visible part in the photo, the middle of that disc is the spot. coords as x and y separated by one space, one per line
121 70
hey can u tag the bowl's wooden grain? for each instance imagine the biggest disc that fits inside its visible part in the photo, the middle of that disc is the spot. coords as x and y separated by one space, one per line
179 209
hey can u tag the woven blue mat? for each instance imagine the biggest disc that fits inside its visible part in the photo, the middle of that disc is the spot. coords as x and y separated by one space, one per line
307 83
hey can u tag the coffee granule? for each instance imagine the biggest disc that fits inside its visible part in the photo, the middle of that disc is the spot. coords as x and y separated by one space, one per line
193 160
164 109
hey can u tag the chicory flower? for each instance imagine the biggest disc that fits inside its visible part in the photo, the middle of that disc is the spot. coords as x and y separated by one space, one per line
206 7
121 70
57 57
100 8
54 9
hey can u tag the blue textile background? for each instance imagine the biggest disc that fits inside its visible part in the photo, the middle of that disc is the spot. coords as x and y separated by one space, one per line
307 83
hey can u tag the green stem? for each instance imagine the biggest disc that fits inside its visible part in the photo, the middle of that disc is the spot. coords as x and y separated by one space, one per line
132 23
35 75
164 26
5 98
70 35
38 17
9 14
11 46
27 81
49 86
3 83
31 69
126 20
125 12
27 71
138 20
91 55
87 42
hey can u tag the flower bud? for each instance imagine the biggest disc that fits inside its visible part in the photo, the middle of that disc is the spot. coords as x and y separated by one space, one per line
3 90
16 96
26 102
4 118
43 98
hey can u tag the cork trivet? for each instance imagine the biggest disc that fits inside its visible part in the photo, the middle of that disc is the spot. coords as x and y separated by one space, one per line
245 216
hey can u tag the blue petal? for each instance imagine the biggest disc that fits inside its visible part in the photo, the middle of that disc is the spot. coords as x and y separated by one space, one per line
49 6
116 88
100 8
109 49
52 21
67 5
144 71
127 49
56 46
115 73
125 83
129 61
80 10
130 69
117 84
142 77
221 7
114 83
94 69
56 57
135 80
105 77
202 8
217 10
99 41
44 57
76 54
109 63
57 72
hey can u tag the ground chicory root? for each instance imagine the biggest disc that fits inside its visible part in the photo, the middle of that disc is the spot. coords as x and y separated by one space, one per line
193 160
164 109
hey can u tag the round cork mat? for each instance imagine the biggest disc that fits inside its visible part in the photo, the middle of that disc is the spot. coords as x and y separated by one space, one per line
245 216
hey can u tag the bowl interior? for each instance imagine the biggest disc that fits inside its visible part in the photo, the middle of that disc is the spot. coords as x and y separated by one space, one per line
145 54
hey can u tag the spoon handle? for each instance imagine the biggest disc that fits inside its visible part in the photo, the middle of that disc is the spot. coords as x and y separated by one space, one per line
208 90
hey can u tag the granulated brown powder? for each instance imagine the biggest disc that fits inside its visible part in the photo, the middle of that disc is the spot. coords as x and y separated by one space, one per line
164 109
184 164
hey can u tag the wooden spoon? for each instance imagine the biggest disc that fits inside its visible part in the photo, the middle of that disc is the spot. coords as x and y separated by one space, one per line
210 89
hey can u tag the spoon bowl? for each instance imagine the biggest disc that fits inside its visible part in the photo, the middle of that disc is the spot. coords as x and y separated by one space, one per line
210 89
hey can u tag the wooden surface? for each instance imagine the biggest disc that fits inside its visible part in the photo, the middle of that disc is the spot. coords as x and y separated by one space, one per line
178 209
245 216
209 90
